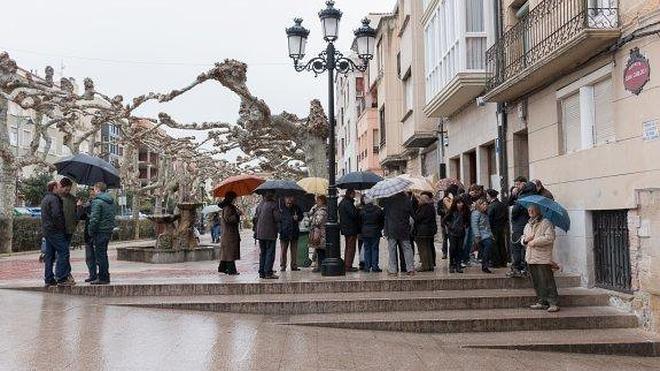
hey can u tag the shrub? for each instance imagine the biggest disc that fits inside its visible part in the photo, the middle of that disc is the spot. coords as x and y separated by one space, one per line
27 233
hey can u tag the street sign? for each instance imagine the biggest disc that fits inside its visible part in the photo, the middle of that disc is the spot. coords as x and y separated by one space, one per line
637 72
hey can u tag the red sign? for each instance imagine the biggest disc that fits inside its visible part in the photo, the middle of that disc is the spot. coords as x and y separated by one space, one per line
637 72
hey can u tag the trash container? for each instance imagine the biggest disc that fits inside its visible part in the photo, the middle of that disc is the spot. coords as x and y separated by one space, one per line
303 250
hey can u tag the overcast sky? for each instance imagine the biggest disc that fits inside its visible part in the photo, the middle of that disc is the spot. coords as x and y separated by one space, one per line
131 47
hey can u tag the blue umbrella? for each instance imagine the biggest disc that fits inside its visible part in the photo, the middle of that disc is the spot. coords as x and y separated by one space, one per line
551 210
280 188
88 170
358 180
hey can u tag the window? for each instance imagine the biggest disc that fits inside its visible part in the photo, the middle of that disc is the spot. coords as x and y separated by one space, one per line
570 114
398 64
381 120
408 95
380 55
13 136
603 120
586 113
26 138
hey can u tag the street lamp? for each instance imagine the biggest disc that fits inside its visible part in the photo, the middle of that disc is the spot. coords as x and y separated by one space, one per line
331 61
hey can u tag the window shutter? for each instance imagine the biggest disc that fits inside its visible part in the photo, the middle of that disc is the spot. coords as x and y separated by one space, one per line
604 123
571 123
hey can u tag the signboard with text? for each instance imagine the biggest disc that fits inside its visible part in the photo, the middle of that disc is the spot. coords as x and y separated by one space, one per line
637 72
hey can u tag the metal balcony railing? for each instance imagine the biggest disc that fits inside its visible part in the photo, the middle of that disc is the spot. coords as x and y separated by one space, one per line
549 26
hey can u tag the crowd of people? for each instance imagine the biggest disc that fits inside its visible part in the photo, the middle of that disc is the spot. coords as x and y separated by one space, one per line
474 224
60 214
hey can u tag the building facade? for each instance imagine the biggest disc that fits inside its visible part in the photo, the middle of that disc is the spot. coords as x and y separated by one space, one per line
456 34
347 96
582 115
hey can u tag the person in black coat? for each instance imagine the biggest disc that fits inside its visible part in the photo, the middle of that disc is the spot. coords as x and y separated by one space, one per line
289 229
457 222
498 217
349 225
443 211
372 221
398 213
425 230
57 243
519 219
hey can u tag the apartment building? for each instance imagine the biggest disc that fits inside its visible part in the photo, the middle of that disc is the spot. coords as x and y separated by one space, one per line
346 114
456 34
582 115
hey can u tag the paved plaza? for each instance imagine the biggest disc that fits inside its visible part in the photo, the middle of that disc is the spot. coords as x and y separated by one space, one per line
49 331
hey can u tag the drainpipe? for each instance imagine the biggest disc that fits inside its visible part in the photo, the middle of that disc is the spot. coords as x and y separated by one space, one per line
502 119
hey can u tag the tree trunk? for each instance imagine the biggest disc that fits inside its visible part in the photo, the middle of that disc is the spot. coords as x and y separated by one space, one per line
158 205
316 157
135 206
8 176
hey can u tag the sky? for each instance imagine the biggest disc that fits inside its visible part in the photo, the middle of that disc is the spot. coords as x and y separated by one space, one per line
131 47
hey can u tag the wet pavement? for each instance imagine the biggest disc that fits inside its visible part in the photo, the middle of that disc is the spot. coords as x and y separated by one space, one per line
57 332
45 331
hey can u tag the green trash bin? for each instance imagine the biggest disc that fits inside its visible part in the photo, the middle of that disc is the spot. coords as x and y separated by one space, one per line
303 250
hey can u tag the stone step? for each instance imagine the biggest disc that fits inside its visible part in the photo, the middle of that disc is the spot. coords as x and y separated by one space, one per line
459 321
309 285
366 301
617 341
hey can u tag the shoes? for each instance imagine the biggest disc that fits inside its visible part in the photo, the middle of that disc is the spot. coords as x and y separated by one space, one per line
376 270
459 270
67 282
513 274
272 277
452 270
50 284
411 273
390 274
41 258
100 282
486 270
282 269
90 279
351 269
295 269
232 273
553 309
315 270
538 306
463 265
444 256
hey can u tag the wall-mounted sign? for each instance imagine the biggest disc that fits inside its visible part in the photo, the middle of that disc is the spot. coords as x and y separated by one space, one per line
650 130
637 72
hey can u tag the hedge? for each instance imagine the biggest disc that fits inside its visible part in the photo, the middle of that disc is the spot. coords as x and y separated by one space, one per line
27 233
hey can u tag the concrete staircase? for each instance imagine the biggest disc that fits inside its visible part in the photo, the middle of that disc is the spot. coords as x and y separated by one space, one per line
470 310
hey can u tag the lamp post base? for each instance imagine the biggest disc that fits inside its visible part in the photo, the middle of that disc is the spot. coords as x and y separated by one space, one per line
333 267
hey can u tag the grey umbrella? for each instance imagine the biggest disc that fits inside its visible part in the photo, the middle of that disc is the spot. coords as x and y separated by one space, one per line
86 169
280 188
358 180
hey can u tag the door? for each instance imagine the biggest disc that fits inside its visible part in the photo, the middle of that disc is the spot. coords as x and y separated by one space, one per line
611 250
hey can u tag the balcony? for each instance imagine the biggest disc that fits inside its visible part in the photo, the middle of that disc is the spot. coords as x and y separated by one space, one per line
556 36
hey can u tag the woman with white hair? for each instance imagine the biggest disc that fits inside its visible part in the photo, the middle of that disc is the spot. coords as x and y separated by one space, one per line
539 238
372 221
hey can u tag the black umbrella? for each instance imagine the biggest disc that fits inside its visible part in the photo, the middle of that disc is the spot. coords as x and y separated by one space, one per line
88 170
358 180
280 188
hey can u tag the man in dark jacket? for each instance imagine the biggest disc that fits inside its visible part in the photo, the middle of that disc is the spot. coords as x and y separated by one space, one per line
519 218
68 208
57 245
498 216
349 225
84 212
266 219
398 213
425 230
372 221
289 230
101 224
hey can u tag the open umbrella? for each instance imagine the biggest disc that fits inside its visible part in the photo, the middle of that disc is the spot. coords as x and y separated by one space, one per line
280 188
444 183
242 185
419 184
358 180
550 209
389 187
88 170
210 209
315 186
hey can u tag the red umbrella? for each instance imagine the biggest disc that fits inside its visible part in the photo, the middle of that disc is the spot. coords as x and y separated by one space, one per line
242 185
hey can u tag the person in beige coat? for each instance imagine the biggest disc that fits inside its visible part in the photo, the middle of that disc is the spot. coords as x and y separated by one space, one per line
539 238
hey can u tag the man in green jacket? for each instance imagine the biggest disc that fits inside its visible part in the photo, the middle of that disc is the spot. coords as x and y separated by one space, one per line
101 224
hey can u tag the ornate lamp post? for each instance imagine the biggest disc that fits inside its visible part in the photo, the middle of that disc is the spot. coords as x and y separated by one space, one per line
333 62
